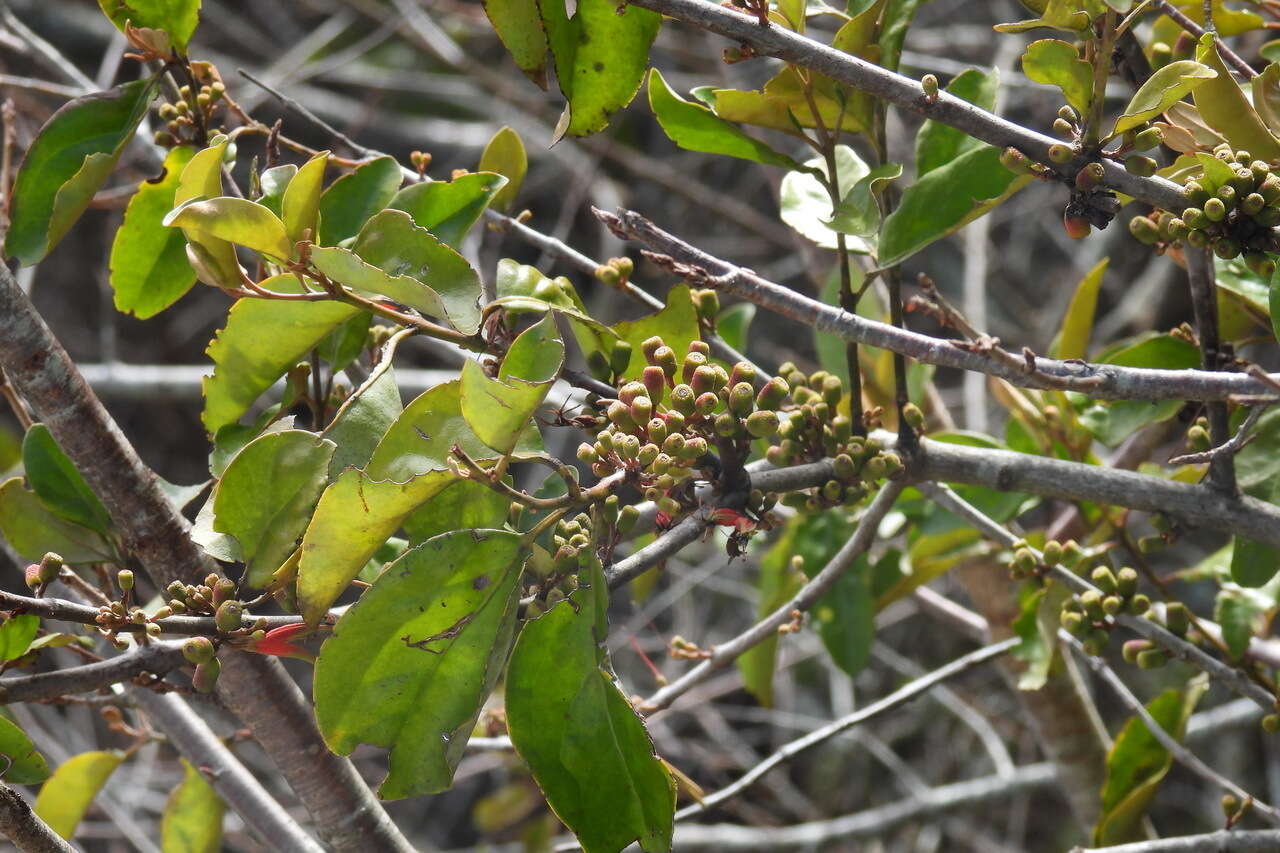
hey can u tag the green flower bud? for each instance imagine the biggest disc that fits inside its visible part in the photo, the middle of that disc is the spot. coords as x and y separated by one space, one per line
1139 604
706 404
620 357
1228 195
1195 194
629 447
648 453
223 590
832 491
1177 618
1132 648
692 362
1271 723
198 649
1147 139
703 380
844 468
655 382
1090 176
1063 128
669 505
229 616
124 578
772 394
832 390
694 448
1144 230
929 85
1142 166
1017 162
206 675
620 414
1112 604
1226 248
1261 170
1061 154
641 410
587 454
1104 579
1215 210
762 424
675 421
1072 621
913 416
683 399
742 399
700 346
726 425
627 518
665 357
875 468
1091 600
1269 189
649 348
742 372
1052 553
1152 659
1198 239
707 303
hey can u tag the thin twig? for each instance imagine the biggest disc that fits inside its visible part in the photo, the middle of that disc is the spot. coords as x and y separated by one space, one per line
1222 841
155 658
1204 305
1228 448
725 653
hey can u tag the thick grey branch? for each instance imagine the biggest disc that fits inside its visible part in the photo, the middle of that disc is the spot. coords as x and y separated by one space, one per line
1100 381
156 658
1223 841
24 828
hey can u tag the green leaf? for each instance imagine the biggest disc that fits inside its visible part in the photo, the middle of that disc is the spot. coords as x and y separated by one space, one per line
26 766
1058 63
1138 762
1037 627
214 260
235 220
783 106
149 268
178 18
409 666
31 529
1077 326
895 21
524 289
449 209
364 418
345 267
498 410
587 749
464 505
263 338
16 634
859 211
355 516
266 496
192 821
67 794
1240 612
600 56
1162 90
696 128
677 324
945 200
505 155
1266 96
1056 14
67 162
805 204
734 323
938 144
300 203
393 243
58 484
1254 564
350 200
273 183
1225 108
519 26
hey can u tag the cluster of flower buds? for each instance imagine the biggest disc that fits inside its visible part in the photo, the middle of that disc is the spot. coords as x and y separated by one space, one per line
813 426
1198 440
616 272
121 615
1090 615
1145 654
1024 564
660 427
554 577
1233 216
189 110
201 652
40 575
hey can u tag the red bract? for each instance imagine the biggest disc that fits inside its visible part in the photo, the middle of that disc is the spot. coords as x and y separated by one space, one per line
278 642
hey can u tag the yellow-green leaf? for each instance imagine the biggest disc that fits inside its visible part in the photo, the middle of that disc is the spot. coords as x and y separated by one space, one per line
505 155
192 821
68 793
235 220
300 204
1162 90
1058 63
149 268
1077 325
1224 107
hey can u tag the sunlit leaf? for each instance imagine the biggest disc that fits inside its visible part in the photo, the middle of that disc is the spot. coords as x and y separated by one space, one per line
235 220
600 56
505 155
1077 326
1224 107
498 410
349 201
266 496
31 530
1058 63
806 206
677 324
448 209
519 26
694 127
68 793
67 163
410 664
192 821
149 268
178 18
16 634
300 203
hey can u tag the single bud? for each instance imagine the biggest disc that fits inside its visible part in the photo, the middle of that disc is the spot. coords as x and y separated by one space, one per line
229 616
726 425
1177 618
692 362
1071 620
620 357
1152 659
1215 210
649 348
913 416
1077 227
648 453
665 357
703 380
1161 55
741 372
844 468
875 468
620 414
1260 264
624 265
1270 188
762 424
1063 128
627 518
1195 194
1139 604
656 430
1060 154
1052 553
587 454
694 448
655 382
1140 165
1091 600
641 410
1126 582
1090 176
683 399
1198 239
608 275
1132 648
706 404
1147 139
832 491
1271 723
707 303
1230 805
162 612
1103 578
1112 604
223 590
630 391
629 447
1024 561
929 85
206 675
1017 162
772 394
1228 195
742 399
198 649
675 421
1226 248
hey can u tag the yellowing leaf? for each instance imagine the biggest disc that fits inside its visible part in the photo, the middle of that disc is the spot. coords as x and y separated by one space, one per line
1224 107
235 220
1162 90
67 794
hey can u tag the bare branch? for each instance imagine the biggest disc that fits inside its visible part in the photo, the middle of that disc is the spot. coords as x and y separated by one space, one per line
1223 841
1100 381
156 658
725 653
70 611
24 827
